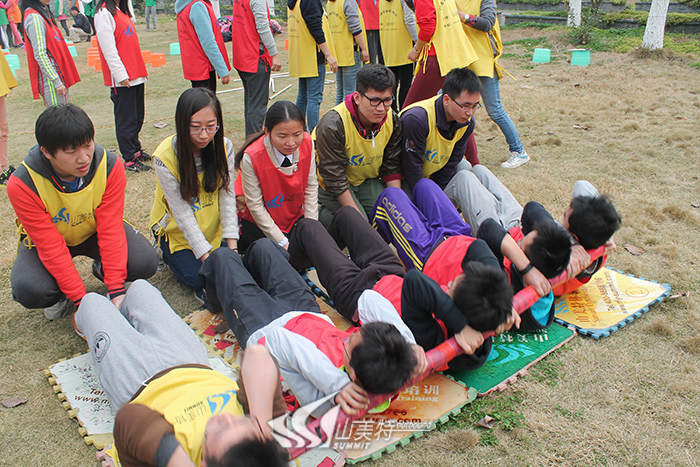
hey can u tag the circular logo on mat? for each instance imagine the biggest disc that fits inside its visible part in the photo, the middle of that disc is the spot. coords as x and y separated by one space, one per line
101 345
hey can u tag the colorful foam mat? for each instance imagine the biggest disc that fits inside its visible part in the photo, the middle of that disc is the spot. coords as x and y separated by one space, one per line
608 302
416 410
511 356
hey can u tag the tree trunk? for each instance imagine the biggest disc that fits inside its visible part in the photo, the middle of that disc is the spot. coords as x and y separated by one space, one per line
574 13
656 25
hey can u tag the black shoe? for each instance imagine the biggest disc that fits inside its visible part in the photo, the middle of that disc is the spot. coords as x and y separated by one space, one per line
5 176
97 271
136 166
142 156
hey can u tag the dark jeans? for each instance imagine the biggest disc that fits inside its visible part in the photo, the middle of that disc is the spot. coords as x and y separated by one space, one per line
404 78
345 279
374 46
34 287
250 232
129 110
256 92
255 290
206 83
184 265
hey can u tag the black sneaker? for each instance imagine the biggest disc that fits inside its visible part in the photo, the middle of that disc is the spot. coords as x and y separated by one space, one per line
143 156
136 166
97 271
5 176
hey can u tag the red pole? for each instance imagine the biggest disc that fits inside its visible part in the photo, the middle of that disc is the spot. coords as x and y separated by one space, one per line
437 357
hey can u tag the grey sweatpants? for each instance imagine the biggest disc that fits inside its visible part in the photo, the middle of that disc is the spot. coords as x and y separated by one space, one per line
480 196
133 343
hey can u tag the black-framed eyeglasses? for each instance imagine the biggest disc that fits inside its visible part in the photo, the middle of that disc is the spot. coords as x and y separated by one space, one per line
375 101
467 105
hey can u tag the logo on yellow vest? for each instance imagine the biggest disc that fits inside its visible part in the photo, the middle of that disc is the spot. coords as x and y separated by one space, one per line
357 159
62 216
217 402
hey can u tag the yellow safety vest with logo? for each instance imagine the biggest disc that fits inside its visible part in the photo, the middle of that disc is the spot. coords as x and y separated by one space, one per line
207 393
365 156
205 207
393 33
302 46
72 213
452 48
438 149
484 43
343 41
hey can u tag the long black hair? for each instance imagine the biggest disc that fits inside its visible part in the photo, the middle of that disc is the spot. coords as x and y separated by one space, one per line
279 112
43 10
214 162
112 6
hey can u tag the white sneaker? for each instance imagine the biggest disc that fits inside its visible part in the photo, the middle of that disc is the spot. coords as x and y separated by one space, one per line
516 159
58 310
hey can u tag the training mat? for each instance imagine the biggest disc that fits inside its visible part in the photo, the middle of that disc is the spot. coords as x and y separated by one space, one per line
511 355
418 409
77 386
608 302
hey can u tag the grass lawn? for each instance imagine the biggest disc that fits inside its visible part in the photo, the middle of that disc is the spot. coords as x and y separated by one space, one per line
630 399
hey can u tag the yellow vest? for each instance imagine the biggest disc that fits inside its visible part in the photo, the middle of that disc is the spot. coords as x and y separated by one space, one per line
451 45
205 207
302 46
365 156
187 398
72 213
393 33
482 41
343 41
7 79
438 149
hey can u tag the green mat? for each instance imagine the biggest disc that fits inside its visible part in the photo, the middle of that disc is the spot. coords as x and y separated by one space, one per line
511 355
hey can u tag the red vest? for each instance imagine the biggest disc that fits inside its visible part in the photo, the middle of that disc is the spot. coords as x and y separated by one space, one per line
283 194
58 50
445 263
195 63
370 13
517 234
128 47
327 338
246 46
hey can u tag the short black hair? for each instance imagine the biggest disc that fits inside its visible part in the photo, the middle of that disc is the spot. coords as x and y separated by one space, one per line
551 249
63 127
74 8
593 220
484 296
384 360
459 80
375 76
252 453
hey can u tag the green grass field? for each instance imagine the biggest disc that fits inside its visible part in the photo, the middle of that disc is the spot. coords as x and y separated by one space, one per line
630 399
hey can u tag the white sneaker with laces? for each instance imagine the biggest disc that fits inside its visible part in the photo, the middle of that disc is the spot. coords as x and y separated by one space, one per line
516 159
57 310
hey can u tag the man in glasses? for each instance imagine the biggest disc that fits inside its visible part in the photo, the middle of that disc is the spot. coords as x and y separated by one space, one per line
172 408
358 145
436 130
